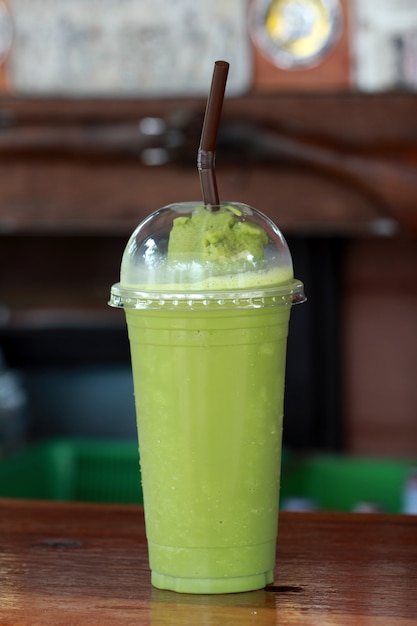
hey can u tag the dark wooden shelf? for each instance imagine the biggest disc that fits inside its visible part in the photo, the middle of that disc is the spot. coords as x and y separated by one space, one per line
332 163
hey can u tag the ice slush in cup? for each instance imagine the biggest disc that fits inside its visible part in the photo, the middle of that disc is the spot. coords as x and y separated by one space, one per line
207 293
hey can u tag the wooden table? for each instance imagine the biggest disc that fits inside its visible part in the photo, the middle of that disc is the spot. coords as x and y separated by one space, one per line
67 564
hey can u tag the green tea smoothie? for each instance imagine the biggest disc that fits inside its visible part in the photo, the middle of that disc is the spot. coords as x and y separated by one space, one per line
208 356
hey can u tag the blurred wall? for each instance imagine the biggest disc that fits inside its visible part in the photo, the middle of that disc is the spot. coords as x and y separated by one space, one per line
380 346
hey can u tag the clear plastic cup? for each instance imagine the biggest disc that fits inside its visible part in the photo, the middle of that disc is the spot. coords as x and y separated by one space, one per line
208 321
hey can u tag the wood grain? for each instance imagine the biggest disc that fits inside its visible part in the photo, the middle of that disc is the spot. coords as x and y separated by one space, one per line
340 162
71 563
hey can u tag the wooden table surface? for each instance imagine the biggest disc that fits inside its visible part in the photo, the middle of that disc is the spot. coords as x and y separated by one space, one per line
70 563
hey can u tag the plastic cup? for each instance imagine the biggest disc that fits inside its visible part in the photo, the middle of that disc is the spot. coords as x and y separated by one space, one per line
208 347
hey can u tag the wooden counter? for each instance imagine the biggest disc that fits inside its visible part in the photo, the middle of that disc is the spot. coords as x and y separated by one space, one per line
67 563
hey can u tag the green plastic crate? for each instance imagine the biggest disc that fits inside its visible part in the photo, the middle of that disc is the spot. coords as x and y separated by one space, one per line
341 483
74 470
108 471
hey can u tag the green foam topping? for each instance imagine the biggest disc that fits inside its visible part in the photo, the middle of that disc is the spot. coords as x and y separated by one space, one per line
219 237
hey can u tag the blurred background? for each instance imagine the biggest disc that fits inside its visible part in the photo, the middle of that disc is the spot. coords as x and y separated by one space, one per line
101 106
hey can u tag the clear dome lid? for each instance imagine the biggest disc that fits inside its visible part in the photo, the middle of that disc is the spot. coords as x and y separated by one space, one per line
187 254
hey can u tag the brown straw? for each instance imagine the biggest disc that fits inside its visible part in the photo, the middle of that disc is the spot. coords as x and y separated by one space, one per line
206 151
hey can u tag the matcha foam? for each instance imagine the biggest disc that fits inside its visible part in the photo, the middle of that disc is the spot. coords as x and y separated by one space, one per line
217 237
187 251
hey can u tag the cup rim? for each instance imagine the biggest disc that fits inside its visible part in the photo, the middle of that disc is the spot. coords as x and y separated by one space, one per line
286 294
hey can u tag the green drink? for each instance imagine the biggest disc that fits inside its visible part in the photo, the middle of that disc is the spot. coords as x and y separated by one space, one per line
208 356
